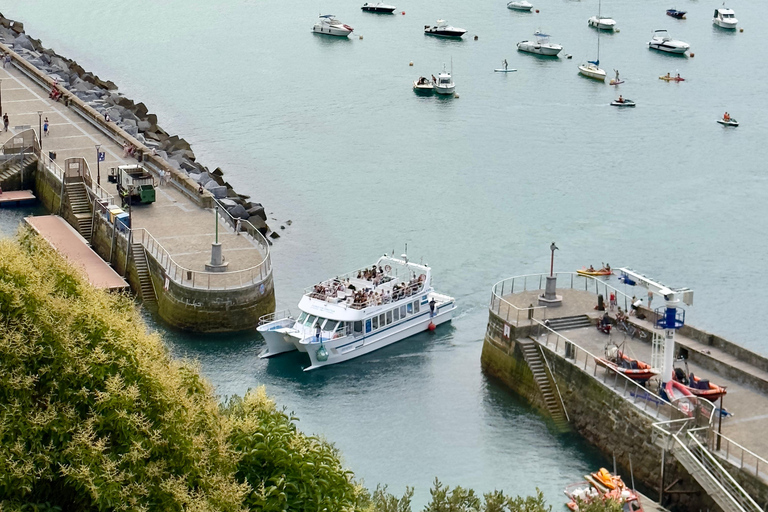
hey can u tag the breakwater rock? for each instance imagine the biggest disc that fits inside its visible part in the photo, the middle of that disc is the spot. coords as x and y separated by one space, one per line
132 118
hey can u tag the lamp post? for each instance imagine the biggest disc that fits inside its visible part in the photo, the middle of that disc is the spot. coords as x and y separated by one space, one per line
40 129
552 248
98 169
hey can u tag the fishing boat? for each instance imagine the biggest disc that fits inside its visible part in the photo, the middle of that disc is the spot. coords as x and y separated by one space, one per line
728 122
444 84
378 7
618 362
697 386
680 15
443 29
725 18
520 5
591 68
616 80
329 25
670 78
680 396
662 42
623 102
540 46
423 86
356 313
591 271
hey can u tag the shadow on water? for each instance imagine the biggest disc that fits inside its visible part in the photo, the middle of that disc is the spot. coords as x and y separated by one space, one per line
325 40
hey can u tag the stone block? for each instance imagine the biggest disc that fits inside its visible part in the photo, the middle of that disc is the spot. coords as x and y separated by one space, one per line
228 203
258 211
144 126
238 211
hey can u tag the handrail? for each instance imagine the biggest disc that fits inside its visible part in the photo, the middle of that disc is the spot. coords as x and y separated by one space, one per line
250 229
627 381
727 455
270 317
557 388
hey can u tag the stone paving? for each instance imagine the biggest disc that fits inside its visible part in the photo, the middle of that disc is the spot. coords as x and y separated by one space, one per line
748 406
184 229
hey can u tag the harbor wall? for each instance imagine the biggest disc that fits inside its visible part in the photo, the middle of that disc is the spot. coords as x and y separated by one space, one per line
607 421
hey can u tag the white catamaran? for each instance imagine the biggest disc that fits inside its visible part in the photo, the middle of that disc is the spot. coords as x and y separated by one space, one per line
359 312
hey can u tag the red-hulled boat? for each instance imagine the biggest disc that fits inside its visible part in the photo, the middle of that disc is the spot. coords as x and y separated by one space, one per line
698 386
616 361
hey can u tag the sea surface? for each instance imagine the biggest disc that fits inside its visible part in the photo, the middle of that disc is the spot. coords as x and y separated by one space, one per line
327 133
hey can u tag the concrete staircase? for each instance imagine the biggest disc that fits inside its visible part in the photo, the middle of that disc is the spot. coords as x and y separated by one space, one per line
569 322
712 477
145 280
13 167
80 204
536 363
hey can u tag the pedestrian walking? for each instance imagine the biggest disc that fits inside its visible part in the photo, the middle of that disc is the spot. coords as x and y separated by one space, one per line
45 126
612 301
6 121
237 226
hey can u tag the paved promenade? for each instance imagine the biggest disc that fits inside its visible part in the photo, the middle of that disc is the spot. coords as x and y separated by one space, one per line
749 406
184 229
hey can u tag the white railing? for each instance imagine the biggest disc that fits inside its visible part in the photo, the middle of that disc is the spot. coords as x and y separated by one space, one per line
198 279
620 383
738 455
277 315
248 228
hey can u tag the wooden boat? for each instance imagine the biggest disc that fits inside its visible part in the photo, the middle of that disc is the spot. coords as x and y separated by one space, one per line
618 362
595 272
680 15
668 78
698 386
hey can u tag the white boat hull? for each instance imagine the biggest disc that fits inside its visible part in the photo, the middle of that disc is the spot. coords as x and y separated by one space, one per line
591 71
332 30
520 6
731 25
550 50
277 338
423 89
445 90
664 47
602 23
350 347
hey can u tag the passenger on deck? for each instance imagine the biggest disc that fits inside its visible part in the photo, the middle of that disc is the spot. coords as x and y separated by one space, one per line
591 268
726 117
359 274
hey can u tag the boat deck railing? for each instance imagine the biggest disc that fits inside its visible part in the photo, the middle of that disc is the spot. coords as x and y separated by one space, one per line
347 299
635 393
277 315
508 311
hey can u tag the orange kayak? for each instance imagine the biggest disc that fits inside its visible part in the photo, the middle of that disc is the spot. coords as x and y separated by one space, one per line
594 272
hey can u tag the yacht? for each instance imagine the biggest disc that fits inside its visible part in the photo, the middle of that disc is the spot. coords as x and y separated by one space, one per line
520 5
725 18
602 23
423 86
379 7
444 83
663 42
541 46
443 29
329 25
354 314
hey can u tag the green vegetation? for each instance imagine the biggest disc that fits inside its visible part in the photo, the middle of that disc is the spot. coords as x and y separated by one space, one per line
96 416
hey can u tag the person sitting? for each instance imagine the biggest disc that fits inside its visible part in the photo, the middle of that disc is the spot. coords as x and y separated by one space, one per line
668 76
678 76
726 117
621 99
591 268
620 316
606 320
359 274
608 267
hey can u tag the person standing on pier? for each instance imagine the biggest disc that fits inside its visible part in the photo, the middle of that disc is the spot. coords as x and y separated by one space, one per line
45 127
650 298
6 122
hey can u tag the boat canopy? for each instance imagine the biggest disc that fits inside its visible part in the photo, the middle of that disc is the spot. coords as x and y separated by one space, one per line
595 62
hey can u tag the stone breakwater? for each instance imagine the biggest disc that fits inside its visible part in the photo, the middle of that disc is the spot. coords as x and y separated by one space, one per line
132 118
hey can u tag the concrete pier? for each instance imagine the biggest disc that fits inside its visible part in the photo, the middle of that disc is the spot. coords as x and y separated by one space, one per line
176 231
16 198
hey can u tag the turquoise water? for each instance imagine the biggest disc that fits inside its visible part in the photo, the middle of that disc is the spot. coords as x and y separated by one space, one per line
327 133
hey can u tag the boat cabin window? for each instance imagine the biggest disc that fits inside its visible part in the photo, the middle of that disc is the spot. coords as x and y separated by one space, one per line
382 322
402 311
389 317
302 317
396 312
368 325
416 306
358 326
410 308
330 325
375 322
310 321
727 15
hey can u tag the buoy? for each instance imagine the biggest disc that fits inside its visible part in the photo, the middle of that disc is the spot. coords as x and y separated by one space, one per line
455 95
431 326
692 55
741 30
617 30
537 11
410 63
475 38
403 13
361 37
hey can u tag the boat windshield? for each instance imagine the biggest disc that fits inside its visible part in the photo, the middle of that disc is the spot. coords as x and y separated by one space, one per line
727 15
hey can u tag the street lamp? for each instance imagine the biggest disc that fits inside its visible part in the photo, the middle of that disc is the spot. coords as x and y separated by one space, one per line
40 129
98 170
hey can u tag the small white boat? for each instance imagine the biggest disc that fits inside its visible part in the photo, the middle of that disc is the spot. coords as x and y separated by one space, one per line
591 70
378 7
423 86
329 25
664 43
725 18
602 23
362 311
443 29
520 5
623 102
728 122
541 46
444 84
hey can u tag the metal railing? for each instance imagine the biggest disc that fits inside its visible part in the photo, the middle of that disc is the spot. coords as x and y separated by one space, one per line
557 388
277 315
634 392
738 455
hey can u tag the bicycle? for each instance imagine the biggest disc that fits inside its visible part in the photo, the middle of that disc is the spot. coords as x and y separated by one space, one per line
631 330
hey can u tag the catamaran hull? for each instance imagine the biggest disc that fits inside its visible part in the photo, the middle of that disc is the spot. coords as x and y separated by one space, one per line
350 347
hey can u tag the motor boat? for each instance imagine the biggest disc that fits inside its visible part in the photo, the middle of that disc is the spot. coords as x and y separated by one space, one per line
669 78
443 29
680 15
356 313
679 395
664 43
329 25
378 7
618 362
623 102
728 122
541 46
591 70
698 386
725 18
520 5
423 86
602 23
444 84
